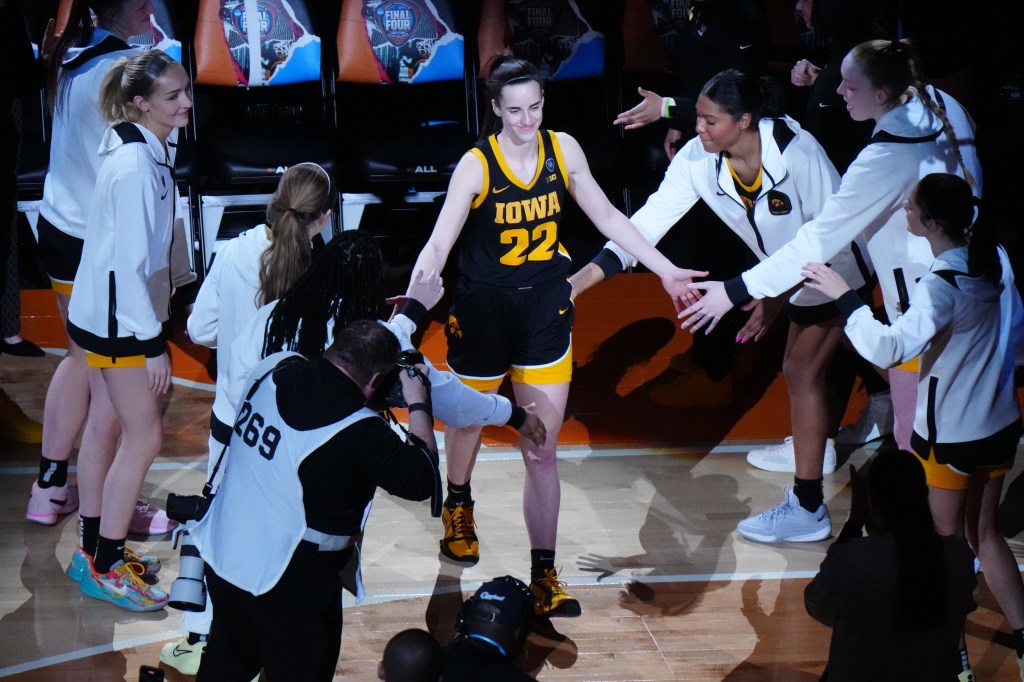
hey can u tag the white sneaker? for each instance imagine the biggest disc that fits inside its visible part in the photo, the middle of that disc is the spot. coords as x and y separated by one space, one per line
782 458
788 522
875 422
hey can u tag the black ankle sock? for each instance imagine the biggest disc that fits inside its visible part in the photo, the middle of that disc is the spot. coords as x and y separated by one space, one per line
810 492
109 551
52 473
195 638
89 533
1018 642
965 664
541 560
459 495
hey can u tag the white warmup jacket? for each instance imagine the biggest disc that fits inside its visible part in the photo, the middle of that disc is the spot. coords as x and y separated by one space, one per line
796 181
123 286
78 128
453 402
968 334
907 144
226 303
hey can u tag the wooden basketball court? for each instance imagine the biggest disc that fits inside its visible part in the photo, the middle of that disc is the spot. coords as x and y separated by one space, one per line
650 500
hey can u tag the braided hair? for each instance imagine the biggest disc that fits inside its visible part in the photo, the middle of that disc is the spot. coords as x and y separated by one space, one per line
344 283
891 65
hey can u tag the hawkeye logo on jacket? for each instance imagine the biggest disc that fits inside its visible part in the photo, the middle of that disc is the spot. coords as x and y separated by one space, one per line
779 203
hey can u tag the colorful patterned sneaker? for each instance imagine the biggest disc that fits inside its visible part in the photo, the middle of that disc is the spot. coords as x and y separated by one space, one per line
782 457
788 522
46 504
148 519
123 586
459 542
550 597
80 563
182 656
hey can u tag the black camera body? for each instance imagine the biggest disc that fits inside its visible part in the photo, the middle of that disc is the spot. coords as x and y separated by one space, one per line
185 508
407 361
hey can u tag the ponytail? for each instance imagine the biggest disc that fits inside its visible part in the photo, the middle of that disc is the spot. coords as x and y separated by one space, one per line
304 194
947 199
505 69
738 94
128 79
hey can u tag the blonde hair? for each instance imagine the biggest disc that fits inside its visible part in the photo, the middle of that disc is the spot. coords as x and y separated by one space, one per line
128 79
891 65
305 193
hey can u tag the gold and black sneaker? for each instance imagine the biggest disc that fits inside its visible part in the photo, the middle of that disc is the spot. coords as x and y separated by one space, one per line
459 542
551 599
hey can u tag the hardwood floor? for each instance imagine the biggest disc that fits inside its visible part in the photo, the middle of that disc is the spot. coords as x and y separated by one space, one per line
646 542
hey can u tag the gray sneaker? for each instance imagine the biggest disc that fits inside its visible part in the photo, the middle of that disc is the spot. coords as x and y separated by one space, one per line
787 522
875 422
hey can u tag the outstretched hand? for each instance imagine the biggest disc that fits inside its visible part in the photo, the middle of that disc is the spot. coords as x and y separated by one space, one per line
826 280
533 428
427 290
646 112
706 313
679 285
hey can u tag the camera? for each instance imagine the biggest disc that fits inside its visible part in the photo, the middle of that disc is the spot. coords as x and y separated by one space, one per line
185 508
188 591
407 361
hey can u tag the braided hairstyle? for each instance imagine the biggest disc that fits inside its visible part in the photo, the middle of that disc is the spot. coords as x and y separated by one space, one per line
344 283
947 199
891 65
305 193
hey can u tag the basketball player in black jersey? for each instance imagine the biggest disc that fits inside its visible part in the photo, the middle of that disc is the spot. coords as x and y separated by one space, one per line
513 306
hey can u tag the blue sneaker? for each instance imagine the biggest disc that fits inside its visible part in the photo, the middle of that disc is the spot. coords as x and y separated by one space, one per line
123 586
80 563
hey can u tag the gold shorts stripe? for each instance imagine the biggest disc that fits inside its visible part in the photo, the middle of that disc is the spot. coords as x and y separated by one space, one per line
946 477
557 372
61 287
912 365
107 362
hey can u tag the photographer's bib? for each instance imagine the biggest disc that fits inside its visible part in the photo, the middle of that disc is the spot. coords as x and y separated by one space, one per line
257 518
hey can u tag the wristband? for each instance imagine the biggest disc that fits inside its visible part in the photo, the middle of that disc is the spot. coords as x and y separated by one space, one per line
667 104
414 407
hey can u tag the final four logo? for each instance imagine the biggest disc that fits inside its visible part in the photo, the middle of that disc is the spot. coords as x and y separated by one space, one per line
397 20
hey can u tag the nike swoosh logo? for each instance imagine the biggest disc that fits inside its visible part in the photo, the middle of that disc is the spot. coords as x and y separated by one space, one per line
180 652
563 311
743 47
60 502
822 105
821 518
495 190
121 591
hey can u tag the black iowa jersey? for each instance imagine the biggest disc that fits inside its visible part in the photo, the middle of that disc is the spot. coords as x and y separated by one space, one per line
510 238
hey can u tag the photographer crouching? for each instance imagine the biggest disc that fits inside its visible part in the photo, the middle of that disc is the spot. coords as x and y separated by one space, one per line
306 456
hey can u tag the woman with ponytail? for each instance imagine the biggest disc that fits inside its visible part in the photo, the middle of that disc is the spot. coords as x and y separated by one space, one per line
918 130
513 309
82 57
254 268
117 315
966 323
896 599
764 177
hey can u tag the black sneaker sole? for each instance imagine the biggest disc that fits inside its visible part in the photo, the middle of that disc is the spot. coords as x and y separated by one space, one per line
567 609
469 560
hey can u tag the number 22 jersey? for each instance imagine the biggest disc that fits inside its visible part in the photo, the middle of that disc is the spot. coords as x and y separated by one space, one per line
510 238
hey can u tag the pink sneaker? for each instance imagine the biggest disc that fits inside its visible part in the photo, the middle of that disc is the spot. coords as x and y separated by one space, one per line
46 504
150 520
